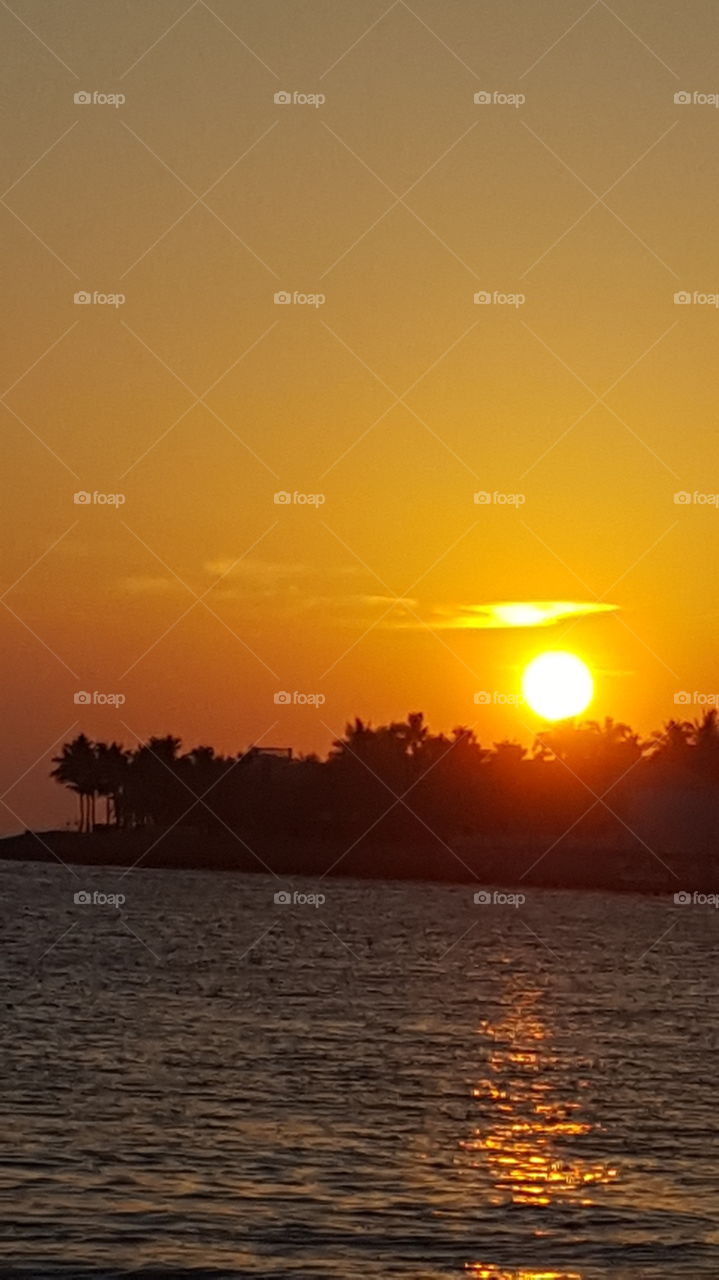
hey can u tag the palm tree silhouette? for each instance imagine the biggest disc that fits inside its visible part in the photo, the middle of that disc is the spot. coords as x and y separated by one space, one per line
77 769
455 786
112 770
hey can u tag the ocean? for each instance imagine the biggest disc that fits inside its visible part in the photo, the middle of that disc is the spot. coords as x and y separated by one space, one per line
395 1081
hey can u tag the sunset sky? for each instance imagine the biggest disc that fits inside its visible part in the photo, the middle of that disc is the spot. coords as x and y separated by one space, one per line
579 413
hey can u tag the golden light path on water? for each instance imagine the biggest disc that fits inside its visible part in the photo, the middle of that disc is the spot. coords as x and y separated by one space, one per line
528 1142
481 1272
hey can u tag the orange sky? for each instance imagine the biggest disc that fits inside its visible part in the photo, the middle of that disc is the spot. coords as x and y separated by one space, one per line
396 399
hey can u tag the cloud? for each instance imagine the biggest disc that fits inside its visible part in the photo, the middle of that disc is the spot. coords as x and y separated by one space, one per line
405 602
512 614
254 570
252 581
282 591
273 571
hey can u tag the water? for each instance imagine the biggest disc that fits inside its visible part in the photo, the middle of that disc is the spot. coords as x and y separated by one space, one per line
396 1083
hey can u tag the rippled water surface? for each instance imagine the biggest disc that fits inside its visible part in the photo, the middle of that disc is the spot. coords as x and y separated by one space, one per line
395 1083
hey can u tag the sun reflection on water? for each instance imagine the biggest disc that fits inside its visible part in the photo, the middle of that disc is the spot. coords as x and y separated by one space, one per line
481 1272
530 1131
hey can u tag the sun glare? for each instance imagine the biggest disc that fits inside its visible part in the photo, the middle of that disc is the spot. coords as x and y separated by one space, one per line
521 615
557 685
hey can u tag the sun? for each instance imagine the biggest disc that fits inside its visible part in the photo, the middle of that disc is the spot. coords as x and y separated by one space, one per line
557 685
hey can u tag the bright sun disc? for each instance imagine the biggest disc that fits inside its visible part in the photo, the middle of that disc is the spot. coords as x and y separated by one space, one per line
557 685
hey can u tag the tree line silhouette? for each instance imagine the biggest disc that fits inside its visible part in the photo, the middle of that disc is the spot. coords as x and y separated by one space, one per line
395 783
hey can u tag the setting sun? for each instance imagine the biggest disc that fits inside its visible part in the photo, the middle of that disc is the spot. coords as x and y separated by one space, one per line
557 685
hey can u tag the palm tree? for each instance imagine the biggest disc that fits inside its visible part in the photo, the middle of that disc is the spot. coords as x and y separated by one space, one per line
112 769
77 769
412 733
706 744
508 755
609 747
154 789
673 743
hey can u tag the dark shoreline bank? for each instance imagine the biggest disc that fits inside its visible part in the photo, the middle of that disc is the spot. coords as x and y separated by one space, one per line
615 870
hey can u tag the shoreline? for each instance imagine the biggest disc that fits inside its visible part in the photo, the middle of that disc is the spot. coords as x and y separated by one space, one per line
527 866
